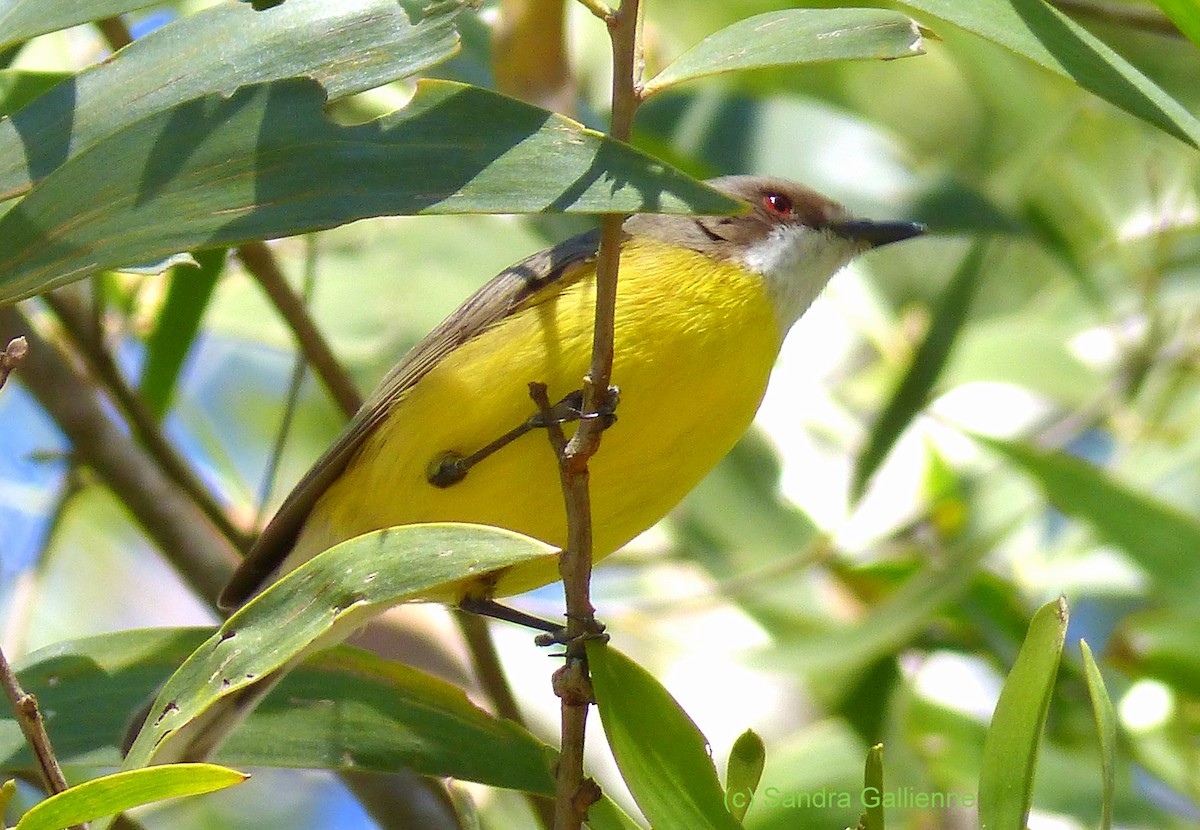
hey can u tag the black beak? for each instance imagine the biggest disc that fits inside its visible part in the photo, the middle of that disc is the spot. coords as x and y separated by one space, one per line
876 234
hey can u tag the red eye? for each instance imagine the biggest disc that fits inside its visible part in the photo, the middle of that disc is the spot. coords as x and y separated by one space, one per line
778 204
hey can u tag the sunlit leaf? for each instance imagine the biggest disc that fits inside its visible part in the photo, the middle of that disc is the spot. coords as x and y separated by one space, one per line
744 771
112 794
266 162
323 601
341 709
663 757
1185 14
1160 538
791 37
606 815
1036 31
873 818
347 47
23 19
19 86
1010 750
1106 732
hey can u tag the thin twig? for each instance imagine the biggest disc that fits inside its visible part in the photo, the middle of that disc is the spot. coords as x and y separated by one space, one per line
12 355
29 717
25 705
262 265
1147 20
292 401
87 337
187 538
597 8
574 794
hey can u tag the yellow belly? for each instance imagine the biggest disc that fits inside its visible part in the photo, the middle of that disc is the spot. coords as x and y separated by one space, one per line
695 343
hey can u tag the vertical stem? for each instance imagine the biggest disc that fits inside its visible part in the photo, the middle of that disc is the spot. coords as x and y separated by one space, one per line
574 794
24 705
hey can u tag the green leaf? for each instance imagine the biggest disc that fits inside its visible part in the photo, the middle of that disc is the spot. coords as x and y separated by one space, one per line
1163 540
1106 732
20 86
112 794
322 602
23 19
873 818
606 815
342 709
1160 643
8 790
266 162
1185 14
912 393
1046 36
833 657
1010 749
350 709
189 288
347 47
744 771
792 37
662 755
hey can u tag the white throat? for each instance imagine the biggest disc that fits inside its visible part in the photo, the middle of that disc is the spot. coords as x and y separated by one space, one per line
797 262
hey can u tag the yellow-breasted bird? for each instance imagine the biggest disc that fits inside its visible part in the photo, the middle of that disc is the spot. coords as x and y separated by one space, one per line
703 304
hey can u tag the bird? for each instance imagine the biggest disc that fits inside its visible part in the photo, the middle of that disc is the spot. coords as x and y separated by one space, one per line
703 304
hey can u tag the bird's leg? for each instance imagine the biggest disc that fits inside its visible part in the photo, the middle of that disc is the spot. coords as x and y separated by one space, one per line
499 611
449 468
554 633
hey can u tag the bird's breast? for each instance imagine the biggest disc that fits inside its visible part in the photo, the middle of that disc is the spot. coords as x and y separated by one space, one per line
695 343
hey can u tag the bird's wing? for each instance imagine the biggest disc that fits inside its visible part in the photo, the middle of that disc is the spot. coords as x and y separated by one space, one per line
509 291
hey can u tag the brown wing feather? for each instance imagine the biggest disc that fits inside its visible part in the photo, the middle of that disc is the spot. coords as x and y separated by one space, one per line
500 297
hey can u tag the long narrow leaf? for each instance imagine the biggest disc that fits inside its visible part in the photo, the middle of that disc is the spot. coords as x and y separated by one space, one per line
342 709
23 19
1044 35
322 602
1185 14
1106 732
348 46
795 36
189 290
1010 749
1163 540
116 793
266 162
663 757
912 393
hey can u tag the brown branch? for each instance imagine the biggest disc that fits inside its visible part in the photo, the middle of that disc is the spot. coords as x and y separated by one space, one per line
187 538
29 718
115 32
574 794
79 324
24 705
1147 20
262 265
11 357
530 59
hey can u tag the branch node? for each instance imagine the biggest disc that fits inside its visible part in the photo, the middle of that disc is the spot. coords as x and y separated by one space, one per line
12 356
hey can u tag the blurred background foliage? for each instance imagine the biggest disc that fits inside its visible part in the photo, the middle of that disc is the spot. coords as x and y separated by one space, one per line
826 601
